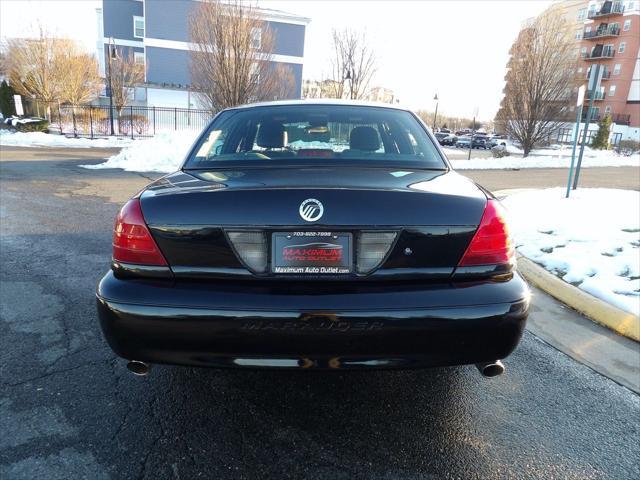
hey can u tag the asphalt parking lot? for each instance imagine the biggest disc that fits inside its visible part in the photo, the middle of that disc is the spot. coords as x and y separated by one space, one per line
70 409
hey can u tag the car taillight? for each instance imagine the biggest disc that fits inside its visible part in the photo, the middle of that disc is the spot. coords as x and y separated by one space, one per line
252 249
372 249
132 240
491 243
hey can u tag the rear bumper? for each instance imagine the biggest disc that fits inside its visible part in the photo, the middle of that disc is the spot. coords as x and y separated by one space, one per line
229 325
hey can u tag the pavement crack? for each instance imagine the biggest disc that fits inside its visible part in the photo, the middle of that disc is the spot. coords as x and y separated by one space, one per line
51 373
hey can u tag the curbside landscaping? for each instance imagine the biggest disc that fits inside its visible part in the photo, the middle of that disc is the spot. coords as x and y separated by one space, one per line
621 322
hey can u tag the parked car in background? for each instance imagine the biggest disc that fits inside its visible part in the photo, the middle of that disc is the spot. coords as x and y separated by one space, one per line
274 246
495 141
479 142
440 136
449 140
463 142
446 138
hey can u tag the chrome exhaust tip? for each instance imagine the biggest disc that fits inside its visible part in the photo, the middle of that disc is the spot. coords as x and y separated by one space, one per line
490 369
138 368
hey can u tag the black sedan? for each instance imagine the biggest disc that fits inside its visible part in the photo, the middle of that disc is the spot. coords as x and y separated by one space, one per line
302 235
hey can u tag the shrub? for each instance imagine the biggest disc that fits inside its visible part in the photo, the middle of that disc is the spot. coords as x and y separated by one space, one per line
628 147
138 123
39 126
601 140
7 106
500 151
88 118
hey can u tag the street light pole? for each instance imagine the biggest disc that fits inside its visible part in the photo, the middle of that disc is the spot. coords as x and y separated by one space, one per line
110 54
435 115
473 132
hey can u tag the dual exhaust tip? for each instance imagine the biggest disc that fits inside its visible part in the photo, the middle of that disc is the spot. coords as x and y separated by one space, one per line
487 369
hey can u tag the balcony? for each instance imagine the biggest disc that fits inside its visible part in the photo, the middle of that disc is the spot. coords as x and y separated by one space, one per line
598 53
608 9
595 116
606 75
621 119
610 31
599 95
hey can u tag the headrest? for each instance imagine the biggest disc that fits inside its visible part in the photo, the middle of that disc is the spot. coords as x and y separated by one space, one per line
364 138
271 135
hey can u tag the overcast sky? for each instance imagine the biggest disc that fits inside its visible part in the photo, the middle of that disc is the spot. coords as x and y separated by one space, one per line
457 49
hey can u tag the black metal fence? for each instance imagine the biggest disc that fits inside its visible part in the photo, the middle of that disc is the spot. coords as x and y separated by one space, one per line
95 120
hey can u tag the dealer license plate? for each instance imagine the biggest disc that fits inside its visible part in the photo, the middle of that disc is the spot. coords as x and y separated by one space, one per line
315 253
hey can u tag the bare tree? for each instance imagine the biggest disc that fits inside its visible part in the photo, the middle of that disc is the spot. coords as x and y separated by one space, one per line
539 82
34 66
353 60
82 81
232 56
125 73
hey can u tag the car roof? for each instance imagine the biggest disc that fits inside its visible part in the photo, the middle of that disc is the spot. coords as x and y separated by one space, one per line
321 101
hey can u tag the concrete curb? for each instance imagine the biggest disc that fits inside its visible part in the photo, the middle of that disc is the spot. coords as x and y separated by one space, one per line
621 322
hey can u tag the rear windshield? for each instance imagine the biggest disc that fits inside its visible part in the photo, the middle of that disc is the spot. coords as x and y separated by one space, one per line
324 134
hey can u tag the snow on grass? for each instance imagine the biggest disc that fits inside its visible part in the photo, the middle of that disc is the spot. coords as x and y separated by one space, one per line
40 139
591 240
163 153
595 158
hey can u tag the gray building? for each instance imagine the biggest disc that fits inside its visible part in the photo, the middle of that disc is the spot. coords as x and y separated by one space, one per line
157 32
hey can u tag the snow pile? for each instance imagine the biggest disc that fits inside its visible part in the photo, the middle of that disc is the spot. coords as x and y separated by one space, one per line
604 158
591 240
40 139
162 153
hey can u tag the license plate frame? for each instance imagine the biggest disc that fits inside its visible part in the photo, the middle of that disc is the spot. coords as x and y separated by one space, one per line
312 253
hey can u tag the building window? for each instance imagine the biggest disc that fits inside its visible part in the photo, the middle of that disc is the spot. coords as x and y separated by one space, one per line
579 69
587 29
627 25
254 73
616 69
582 13
138 27
579 35
138 57
607 109
612 90
622 47
583 52
631 6
256 38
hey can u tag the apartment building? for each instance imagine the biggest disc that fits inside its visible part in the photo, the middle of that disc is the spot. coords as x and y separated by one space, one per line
157 33
605 33
611 38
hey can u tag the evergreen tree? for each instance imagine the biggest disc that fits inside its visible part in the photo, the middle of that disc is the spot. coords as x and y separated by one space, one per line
7 107
601 140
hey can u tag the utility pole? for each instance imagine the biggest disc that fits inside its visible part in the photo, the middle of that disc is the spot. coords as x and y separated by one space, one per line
435 115
473 132
595 77
579 104
111 53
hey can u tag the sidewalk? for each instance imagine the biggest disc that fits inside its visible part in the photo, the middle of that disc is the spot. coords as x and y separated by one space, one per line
606 352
